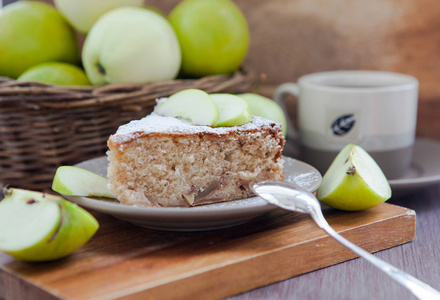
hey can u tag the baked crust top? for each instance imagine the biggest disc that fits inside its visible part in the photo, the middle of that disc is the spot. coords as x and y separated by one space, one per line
155 124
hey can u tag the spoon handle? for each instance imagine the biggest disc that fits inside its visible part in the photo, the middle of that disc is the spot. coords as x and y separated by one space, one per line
420 289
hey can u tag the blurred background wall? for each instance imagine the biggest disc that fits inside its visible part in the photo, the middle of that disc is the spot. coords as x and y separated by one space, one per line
290 38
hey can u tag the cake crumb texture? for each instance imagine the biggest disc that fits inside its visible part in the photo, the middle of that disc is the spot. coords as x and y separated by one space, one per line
185 168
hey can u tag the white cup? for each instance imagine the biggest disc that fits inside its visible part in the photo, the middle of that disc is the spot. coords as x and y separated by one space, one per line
374 109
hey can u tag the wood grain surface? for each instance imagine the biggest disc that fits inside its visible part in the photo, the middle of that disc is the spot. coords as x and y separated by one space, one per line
359 280
123 261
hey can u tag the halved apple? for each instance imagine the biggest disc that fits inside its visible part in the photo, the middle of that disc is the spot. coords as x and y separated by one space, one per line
233 110
40 227
74 181
191 104
354 181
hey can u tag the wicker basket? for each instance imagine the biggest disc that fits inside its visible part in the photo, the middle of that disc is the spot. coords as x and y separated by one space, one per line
45 126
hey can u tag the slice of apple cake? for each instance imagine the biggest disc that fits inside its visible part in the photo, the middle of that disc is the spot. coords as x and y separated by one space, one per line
166 161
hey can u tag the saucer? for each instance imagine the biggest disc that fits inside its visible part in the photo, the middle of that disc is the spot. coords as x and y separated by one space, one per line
204 217
424 170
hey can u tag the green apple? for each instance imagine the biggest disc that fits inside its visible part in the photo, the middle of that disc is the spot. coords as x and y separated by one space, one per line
42 227
191 104
55 73
131 45
82 14
33 32
74 181
232 110
213 35
266 108
354 181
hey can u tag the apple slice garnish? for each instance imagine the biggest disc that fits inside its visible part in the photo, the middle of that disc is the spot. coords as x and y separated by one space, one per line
41 227
233 110
267 108
191 104
354 181
74 181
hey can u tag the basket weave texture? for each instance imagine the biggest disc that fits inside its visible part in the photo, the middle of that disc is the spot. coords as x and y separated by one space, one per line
45 126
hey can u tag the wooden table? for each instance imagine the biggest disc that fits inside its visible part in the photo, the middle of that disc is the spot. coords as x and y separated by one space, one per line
357 279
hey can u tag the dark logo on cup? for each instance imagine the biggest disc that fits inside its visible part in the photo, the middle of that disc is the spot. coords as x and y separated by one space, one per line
343 124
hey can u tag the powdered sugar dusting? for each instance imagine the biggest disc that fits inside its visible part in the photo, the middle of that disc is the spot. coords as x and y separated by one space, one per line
155 123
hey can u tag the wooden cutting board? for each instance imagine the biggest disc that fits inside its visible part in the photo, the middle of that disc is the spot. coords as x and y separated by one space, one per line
124 261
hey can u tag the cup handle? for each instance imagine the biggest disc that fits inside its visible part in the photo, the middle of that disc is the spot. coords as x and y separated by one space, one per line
283 90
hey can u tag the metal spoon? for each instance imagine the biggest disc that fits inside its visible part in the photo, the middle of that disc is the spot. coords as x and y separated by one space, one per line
291 197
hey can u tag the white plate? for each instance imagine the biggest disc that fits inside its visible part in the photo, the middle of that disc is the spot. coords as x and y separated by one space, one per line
425 167
207 217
